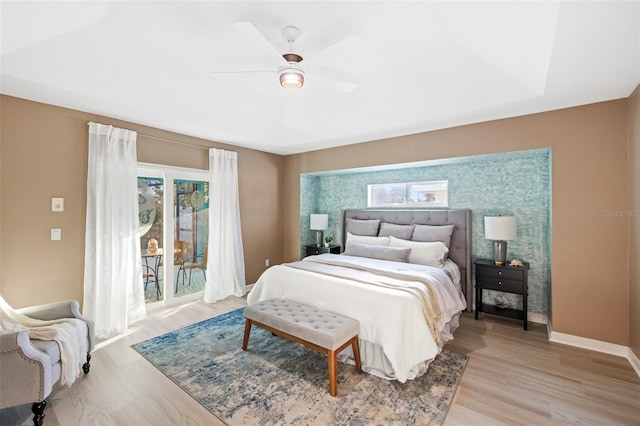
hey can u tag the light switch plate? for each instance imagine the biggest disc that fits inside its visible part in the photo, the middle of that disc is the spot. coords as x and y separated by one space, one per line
56 234
57 204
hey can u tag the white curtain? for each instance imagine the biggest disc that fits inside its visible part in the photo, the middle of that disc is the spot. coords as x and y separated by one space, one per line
113 289
225 265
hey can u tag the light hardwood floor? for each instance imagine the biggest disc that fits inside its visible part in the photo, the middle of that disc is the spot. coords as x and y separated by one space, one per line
513 377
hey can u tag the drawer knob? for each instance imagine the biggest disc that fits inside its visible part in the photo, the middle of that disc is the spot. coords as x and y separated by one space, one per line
499 272
499 282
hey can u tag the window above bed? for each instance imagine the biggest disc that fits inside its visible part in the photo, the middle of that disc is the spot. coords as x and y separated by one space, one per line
409 194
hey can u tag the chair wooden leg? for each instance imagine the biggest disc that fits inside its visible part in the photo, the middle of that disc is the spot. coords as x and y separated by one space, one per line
247 332
37 408
333 373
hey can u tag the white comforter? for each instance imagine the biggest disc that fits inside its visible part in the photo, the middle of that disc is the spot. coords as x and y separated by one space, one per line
395 340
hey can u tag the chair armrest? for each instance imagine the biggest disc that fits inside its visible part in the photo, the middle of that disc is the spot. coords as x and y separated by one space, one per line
52 311
57 310
26 371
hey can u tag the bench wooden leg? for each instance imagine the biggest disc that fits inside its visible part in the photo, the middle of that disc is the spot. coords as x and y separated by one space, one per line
333 373
356 353
247 332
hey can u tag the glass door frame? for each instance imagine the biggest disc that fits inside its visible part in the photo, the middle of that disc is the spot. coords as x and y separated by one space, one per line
169 174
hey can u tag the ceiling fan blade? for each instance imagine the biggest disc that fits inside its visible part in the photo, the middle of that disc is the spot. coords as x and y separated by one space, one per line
235 71
336 37
338 51
333 83
250 32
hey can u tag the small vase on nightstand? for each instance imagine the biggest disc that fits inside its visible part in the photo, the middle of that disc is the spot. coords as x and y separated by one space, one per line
328 241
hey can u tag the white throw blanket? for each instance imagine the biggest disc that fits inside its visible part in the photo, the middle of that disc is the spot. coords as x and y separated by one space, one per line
69 333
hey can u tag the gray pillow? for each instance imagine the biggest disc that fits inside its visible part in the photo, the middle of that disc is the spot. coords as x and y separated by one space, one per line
433 233
394 230
363 227
396 254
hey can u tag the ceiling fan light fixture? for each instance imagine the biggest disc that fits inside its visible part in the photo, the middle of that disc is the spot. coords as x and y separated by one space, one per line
291 78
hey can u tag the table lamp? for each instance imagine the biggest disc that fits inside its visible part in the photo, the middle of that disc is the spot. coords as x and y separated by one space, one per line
500 229
319 222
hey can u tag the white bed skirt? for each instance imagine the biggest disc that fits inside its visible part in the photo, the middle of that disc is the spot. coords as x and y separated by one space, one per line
378 364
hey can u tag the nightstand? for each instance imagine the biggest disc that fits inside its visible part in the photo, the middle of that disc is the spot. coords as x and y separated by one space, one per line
312 249
509 279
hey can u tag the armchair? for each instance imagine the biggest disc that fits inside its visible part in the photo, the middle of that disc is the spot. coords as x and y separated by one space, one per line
30 368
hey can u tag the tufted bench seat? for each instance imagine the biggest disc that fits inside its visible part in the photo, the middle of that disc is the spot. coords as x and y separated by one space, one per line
322 331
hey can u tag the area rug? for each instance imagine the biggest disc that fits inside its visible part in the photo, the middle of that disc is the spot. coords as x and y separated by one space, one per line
279 382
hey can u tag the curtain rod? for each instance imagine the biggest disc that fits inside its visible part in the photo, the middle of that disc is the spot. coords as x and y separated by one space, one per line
173 141
168 140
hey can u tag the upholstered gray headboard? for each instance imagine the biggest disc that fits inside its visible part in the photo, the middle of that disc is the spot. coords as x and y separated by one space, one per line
459 248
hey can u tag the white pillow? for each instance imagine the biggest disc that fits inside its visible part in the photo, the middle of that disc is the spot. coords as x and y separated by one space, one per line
372 241
431 253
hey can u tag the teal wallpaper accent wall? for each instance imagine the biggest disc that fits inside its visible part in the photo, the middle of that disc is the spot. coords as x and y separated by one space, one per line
309 196
513 183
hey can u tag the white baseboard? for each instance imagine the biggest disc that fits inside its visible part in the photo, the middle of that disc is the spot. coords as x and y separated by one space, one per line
591 344
537 318
634 360
597 346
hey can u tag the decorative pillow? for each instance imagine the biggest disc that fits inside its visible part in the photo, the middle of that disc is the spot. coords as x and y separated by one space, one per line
395 254
423 253
433 233
398 231
363 227
372 241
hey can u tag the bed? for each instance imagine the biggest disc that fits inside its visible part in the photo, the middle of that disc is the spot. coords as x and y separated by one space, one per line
407 294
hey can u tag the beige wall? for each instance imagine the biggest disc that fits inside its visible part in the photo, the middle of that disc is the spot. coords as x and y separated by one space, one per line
590 257
43 152
634 221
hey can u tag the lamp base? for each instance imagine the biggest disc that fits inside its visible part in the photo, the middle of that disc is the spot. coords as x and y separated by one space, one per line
499 252
319 234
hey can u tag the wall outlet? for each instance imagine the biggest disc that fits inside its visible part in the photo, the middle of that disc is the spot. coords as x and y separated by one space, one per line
266 262
57 204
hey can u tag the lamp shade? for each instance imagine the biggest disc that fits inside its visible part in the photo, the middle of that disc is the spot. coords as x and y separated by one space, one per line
319 222
500 228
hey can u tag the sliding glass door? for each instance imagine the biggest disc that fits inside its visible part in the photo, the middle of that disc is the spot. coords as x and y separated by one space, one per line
191 222
150 207
174 229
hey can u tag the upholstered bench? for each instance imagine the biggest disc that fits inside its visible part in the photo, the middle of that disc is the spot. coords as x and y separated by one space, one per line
322 331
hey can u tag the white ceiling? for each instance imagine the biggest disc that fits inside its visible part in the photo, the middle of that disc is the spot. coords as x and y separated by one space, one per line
417 66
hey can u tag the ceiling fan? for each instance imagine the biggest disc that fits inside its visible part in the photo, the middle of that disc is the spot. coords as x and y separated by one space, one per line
289 65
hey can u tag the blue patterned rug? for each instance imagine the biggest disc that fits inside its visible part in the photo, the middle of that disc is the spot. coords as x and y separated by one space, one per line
280 382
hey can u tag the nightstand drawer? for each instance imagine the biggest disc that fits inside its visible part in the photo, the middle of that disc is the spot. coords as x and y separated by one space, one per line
501 284
509 274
